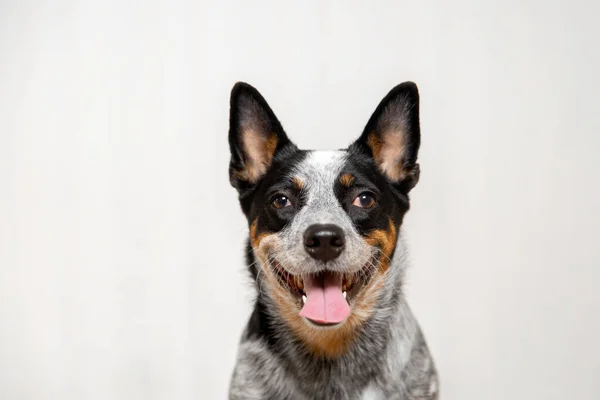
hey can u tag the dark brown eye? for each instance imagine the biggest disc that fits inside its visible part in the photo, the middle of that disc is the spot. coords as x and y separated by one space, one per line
281 202
364 200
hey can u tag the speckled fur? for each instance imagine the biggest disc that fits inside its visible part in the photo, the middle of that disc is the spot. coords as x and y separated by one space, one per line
386 356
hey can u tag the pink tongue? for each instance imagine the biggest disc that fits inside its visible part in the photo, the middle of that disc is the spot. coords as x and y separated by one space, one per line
325 302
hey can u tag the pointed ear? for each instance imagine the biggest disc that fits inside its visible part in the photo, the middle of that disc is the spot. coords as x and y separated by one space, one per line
255 136
392 136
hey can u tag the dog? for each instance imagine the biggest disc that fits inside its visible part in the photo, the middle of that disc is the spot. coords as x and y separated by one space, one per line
326 253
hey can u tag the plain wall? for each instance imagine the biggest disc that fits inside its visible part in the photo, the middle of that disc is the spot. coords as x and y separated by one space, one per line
121 270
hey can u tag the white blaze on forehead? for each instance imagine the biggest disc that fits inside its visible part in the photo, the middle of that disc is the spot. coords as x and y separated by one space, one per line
325 158
320 170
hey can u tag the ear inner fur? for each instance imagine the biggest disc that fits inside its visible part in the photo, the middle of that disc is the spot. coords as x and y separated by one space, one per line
259 152
389 152
256 137
392 135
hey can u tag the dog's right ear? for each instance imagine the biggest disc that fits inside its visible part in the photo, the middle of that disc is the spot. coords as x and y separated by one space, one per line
255 136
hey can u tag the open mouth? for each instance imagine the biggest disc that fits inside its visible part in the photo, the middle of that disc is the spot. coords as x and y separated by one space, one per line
325 298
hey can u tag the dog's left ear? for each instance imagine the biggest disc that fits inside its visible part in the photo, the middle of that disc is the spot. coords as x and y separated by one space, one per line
255 136
392 136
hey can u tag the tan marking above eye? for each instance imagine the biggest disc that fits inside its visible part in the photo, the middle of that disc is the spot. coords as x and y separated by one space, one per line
347 179
298 183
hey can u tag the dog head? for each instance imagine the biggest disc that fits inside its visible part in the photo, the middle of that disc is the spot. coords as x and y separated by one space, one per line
324 224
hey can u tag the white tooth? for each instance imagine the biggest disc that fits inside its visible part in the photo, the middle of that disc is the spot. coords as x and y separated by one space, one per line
344 294
303 299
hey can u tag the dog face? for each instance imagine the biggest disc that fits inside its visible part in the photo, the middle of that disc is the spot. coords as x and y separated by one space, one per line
323 224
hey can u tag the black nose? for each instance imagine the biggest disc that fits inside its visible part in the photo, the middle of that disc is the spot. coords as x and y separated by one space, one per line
324 242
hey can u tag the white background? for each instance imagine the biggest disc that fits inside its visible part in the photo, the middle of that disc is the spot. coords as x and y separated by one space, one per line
121 272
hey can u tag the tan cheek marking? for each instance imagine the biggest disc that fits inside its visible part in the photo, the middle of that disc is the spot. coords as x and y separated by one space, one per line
326 343
347 180
254 238
386 241
388 150
259 152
